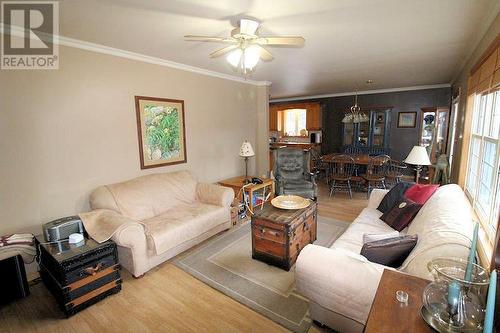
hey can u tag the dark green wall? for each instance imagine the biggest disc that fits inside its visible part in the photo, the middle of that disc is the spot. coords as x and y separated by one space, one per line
401 140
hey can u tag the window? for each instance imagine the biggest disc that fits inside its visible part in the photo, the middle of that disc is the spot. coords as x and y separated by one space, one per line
294 122
483 181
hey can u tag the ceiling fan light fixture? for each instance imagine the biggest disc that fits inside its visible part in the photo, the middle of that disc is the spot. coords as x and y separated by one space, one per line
248 27
245 45
251 57
234 57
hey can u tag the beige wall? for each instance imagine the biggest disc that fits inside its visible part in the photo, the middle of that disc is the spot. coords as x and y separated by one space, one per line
461 82
262 132
66 131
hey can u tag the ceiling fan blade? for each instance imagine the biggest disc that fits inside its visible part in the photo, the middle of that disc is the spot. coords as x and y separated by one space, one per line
292 41
210 39
248 27
265 54
223 51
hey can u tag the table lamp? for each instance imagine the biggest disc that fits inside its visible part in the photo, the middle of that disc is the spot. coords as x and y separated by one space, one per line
246 151
418 157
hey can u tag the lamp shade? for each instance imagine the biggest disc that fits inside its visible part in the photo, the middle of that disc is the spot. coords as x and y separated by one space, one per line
246 149
418 156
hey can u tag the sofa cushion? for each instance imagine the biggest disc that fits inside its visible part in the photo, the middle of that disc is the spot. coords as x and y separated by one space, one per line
151 195
182 223
444 228
390 252
393 196
367 238
401 215
420 193
367 222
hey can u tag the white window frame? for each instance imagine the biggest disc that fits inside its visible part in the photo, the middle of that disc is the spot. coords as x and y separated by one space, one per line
296 115
487 222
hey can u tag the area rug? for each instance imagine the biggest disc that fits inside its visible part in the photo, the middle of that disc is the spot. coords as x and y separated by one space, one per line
225 263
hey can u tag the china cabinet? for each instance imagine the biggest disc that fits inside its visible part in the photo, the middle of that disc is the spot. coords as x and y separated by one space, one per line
434 131
371 134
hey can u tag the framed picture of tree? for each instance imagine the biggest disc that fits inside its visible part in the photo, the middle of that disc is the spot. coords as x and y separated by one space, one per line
161 131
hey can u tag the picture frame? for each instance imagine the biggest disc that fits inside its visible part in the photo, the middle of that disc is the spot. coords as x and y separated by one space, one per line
161 131
407 119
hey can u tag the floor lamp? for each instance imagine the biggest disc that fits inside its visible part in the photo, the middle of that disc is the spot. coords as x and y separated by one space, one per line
246 151
418 157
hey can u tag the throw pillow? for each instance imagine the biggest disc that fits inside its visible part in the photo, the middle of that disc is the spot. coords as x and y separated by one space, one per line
367 238
390 252
401 215
420 193
393 196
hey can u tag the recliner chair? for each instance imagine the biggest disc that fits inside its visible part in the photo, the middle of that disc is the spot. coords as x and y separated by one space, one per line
292 173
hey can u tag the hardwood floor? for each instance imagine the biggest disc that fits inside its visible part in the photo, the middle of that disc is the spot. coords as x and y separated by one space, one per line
166 299
340 206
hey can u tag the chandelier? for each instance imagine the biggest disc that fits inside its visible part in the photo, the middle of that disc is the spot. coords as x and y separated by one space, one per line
355 115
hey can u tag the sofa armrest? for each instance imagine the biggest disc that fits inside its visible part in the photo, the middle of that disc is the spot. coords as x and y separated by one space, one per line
214 194
130 236
376 197
134 257
311 176
104 224
341 281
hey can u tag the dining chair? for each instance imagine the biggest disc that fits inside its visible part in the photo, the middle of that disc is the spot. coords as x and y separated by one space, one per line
376 173
395 172
319 166
350 150
341 171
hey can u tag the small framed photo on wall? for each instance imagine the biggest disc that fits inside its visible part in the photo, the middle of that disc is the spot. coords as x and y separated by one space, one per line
407 120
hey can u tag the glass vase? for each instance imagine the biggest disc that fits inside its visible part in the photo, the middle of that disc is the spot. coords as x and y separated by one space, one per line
457 305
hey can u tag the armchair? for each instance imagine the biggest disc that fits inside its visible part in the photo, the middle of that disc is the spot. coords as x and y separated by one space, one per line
292 173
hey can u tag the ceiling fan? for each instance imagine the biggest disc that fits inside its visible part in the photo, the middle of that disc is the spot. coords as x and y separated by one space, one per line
246 46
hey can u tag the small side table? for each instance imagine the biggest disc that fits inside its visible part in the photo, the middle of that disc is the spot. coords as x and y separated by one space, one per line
79 275
389 315
237 183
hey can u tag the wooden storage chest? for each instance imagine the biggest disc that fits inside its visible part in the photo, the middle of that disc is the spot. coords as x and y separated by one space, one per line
279 235
79 276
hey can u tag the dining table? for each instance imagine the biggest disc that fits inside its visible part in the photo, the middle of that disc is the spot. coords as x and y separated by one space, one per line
360 159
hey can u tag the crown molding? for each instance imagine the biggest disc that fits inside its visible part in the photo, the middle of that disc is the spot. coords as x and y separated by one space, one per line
364 92
103 49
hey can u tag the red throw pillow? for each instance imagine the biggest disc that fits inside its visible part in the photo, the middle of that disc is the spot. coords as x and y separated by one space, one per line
420 193
399 216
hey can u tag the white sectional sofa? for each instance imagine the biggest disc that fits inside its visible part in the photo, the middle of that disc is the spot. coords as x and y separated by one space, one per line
341 284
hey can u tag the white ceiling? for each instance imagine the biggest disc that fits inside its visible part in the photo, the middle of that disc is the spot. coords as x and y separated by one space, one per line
396 43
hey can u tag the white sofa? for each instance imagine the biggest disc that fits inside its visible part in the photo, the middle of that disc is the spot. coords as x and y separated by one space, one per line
155 217
341 284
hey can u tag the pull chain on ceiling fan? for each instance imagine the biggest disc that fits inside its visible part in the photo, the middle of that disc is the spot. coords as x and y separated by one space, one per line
246 46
